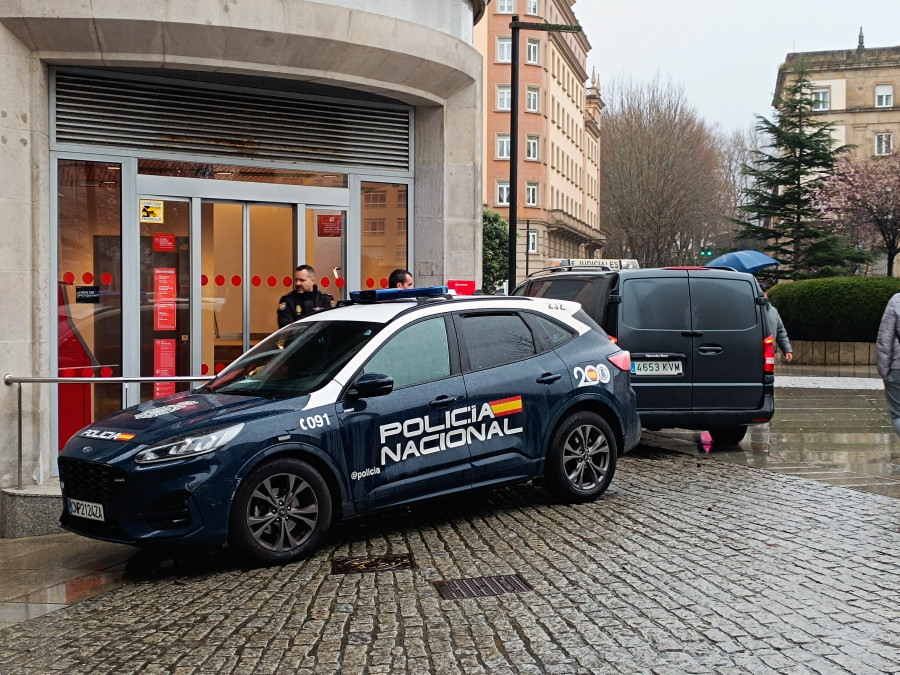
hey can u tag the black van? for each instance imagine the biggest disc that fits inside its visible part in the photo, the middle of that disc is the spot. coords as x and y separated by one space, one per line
702 354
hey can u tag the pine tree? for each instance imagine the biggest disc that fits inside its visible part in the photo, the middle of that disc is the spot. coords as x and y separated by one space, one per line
779 210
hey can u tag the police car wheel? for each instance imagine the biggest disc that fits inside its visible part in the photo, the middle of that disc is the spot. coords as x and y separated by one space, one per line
281 512
581 459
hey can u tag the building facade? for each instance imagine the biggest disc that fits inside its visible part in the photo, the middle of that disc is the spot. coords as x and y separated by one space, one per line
559 132
855 89
166 165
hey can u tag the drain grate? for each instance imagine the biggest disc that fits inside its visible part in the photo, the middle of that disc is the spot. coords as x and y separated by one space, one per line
480 587
372 563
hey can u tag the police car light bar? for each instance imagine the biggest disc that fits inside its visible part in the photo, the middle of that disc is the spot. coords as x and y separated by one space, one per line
379 294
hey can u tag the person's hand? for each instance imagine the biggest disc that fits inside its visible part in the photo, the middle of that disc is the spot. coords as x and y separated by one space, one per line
789 357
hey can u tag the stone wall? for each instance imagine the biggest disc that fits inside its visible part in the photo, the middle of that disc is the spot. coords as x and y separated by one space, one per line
811 353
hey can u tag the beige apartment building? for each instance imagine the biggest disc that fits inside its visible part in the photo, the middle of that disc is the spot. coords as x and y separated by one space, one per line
166 164
856 90
559 132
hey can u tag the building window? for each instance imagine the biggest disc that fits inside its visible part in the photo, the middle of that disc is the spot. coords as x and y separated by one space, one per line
505 6
401 198
504 97
884 95
400 254
502 146
531 99
531 147
531 194
821 99
503 192
532 241
504 50
531 7
375 199
884 144
373 226
401 225
373 253
532 50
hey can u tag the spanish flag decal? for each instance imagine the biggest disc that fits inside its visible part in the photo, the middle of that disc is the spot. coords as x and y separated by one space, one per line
124 437
506 406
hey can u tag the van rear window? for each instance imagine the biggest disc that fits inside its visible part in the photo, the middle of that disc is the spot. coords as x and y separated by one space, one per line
722 304
657 304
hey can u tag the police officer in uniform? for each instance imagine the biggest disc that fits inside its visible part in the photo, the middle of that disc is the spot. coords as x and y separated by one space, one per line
306 297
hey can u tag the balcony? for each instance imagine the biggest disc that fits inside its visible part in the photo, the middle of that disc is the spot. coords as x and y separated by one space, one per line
569 227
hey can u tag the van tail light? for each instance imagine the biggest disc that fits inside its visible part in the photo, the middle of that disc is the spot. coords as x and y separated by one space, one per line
613 339
769 354
621 360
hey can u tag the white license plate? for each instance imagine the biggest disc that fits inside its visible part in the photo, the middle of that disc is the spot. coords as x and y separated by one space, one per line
656 368
85 509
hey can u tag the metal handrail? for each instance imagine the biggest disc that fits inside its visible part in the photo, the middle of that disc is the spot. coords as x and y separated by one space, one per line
9 380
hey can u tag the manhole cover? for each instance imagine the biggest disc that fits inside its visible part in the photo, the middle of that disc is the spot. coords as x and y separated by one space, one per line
479 587
372 563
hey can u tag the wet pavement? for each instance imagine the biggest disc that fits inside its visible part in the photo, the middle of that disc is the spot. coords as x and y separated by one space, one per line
842 437
695 561
39 575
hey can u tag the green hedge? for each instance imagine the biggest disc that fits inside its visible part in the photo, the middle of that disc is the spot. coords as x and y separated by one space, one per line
835 309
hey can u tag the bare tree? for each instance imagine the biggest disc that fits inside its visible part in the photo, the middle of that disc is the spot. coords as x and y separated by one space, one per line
664 188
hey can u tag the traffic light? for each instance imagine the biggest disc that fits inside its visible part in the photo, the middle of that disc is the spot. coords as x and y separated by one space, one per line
706 252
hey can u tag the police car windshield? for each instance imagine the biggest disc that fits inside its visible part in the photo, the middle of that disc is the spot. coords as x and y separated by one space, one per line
295 361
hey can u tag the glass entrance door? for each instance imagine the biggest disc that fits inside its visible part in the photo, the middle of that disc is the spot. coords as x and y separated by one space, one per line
246 265
165 293
325 248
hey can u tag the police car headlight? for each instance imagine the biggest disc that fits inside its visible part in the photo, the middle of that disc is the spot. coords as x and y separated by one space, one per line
187 446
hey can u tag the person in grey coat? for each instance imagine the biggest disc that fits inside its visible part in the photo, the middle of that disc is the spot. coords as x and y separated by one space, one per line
776 325
887 346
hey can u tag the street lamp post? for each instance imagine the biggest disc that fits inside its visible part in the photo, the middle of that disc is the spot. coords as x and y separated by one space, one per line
516 26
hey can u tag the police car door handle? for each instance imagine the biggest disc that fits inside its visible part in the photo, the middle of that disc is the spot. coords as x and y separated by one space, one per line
710 349
443 400
548 378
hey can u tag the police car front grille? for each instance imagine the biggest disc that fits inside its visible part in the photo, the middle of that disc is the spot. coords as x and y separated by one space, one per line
90 481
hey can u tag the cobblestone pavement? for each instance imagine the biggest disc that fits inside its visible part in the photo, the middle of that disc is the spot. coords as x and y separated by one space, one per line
686 565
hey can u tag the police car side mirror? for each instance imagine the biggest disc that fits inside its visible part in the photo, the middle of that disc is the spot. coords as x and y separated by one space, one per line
372 384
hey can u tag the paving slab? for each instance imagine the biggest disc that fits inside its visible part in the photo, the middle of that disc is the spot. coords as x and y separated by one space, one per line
687 564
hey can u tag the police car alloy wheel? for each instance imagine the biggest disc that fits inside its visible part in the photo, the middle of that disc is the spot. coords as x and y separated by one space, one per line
281 512
581 459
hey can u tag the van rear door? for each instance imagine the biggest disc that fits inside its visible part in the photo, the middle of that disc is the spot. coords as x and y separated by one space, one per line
654 324
728 342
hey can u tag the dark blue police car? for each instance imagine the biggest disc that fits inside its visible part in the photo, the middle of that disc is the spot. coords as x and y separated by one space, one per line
358 408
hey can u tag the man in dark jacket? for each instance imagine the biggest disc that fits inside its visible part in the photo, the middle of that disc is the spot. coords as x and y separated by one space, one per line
306 297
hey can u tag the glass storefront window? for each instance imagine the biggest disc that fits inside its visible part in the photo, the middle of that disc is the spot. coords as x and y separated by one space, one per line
383 214
89 290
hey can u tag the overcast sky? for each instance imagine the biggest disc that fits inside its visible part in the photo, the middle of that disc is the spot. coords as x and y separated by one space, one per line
725 53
